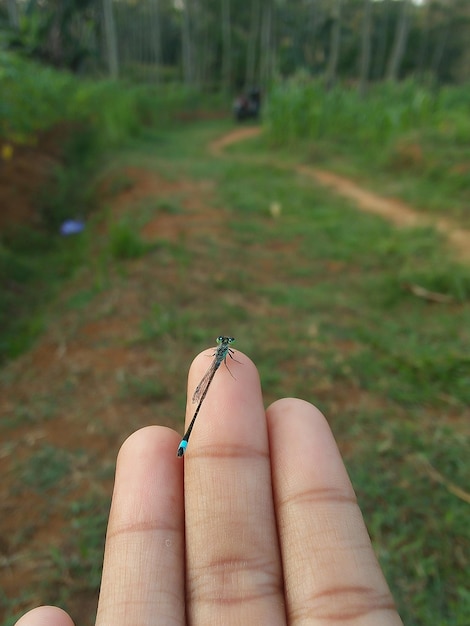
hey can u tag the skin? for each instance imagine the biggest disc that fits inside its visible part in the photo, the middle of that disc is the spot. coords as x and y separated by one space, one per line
258 524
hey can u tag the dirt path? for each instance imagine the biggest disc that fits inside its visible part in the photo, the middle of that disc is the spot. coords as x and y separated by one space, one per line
398 213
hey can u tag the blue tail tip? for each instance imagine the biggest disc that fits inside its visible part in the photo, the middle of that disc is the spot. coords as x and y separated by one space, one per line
182 448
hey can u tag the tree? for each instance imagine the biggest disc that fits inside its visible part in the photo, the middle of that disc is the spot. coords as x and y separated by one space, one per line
313 22
13 17
399 43
335 42
381 36
267 44
228 43
110 38
365 47
422 48
252 43
187 44
226 46
156 34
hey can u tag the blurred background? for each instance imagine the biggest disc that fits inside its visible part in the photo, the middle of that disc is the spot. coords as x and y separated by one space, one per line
293 174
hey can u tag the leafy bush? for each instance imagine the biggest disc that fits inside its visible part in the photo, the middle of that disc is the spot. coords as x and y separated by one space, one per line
302 108
33 97
417 137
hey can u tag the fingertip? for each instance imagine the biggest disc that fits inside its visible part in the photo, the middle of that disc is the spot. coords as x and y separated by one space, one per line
144 551
285 406
146 461
45 616
149 440
201 363
232 412
294 414
299 433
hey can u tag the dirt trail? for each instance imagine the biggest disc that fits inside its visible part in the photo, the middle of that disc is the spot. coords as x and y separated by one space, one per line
398 213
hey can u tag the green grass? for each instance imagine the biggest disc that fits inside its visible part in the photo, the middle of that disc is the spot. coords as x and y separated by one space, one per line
405 140
46 469
33 266
318 297
327 285
144 389
125 241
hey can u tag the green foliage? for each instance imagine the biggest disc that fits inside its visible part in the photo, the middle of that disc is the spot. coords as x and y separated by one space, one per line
33 97
125 241
98 118
89 519
328 286
70 34
301 108
417 138
64 197
347 323
33 265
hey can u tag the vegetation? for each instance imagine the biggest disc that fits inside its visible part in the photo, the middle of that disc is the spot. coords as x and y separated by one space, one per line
389 369
413 139
246 43
367 321
90 119
35 98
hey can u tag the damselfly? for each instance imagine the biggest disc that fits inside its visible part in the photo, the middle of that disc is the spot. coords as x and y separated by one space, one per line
221 354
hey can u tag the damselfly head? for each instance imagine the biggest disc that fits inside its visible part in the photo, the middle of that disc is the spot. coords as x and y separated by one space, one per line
225 339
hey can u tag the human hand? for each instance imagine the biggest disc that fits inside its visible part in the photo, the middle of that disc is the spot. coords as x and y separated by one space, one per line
258 525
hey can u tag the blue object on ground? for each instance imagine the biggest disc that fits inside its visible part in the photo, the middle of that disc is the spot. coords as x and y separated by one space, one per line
71 227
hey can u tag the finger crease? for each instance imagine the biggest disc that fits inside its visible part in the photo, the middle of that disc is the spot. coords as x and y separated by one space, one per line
142 527
229 452
340 604
231 581
333 496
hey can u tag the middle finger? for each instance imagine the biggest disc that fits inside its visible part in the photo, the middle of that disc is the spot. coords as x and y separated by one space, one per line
233 560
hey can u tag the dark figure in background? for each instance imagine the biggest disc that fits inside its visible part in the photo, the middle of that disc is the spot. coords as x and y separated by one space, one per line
247 105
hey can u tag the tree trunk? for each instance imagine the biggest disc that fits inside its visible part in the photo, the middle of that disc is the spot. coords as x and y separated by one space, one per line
156 35
188 70
198 44
267 44
365 48
226 46
440 48
399 44
335 42
423 42
13 17
208 23
313 22
111 39
252 44
380 56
